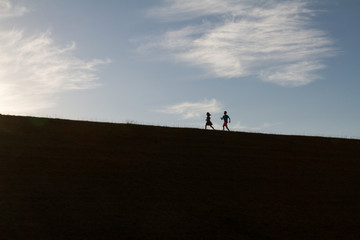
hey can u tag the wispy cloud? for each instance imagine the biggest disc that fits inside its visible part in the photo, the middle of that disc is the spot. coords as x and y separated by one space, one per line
273 40
189 110
34 68
7 9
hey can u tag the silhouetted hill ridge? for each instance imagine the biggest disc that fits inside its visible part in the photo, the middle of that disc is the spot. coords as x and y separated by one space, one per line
65 179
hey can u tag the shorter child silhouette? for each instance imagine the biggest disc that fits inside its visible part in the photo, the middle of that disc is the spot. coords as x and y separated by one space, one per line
208 122
227 120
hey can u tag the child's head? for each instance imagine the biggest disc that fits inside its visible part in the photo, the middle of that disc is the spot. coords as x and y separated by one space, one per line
208 114
225 112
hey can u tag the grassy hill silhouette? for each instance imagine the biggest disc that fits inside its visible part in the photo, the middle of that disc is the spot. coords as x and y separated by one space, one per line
63 179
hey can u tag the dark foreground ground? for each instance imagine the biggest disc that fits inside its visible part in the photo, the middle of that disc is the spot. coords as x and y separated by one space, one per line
81 180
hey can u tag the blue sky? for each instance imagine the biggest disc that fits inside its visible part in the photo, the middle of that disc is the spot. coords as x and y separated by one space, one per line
284 67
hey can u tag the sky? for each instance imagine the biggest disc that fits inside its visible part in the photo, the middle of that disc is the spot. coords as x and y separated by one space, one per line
276 66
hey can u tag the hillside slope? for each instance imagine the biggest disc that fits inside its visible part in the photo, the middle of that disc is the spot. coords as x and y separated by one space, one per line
62 179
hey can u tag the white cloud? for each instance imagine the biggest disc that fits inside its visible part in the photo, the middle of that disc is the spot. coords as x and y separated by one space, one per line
189 110
34 68
273 40
8 10
175 10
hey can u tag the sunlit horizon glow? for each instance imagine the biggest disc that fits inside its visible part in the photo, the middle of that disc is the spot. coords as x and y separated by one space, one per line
34 68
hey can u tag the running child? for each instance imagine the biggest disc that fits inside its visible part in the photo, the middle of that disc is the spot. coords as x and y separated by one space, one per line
208 121
227 120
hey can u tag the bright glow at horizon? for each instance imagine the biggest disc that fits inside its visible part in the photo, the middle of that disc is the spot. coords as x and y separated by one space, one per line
278 66
34 68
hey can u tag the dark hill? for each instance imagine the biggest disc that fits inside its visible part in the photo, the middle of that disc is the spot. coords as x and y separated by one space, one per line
64 179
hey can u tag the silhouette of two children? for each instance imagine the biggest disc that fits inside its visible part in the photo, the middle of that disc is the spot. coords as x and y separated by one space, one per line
226 119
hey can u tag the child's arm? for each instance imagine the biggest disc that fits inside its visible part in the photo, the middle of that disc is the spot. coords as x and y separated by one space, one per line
229 120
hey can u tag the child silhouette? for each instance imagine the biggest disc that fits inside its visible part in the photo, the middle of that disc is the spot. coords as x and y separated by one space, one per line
227 120
208 121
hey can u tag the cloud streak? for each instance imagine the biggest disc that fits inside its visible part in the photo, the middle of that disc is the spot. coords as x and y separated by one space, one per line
7 9
33 68
272 40
189 110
